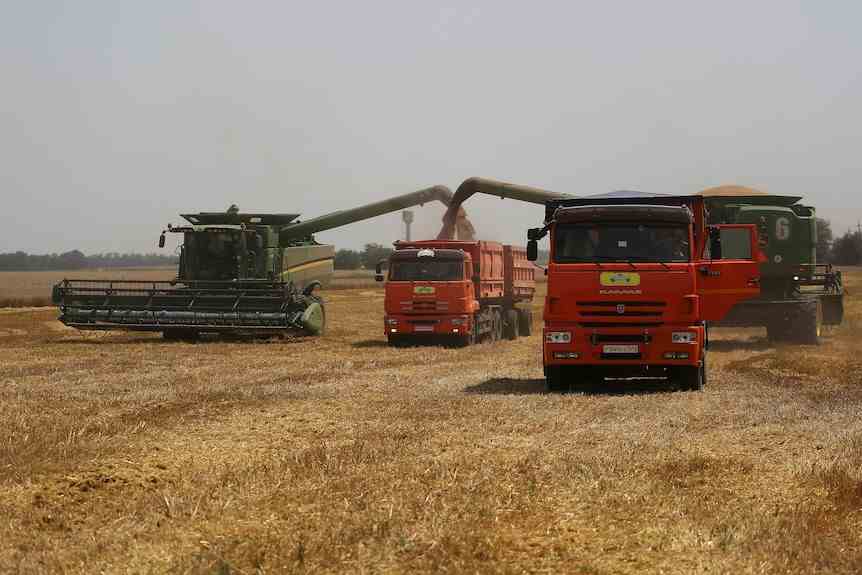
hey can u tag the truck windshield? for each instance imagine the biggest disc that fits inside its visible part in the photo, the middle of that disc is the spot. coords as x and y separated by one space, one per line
621 242
422 270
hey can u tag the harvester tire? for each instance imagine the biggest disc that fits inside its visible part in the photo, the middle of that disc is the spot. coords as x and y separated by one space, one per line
802 324
525 322
511 324
809 324
314 318
188 335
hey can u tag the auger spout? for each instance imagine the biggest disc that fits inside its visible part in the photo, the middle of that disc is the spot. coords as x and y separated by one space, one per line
475 185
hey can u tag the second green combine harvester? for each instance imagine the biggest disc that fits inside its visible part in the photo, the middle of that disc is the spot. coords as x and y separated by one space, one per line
798 296
239 273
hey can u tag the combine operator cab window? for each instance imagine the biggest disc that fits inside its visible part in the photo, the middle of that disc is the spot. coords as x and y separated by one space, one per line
426 271
217 255
574 243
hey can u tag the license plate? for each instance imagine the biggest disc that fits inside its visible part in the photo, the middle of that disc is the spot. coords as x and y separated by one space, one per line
423 327
621 349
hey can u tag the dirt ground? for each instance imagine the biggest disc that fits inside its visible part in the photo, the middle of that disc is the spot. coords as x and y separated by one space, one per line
121 453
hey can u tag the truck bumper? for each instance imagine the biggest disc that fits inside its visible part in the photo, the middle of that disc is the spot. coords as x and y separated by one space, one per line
623 346
455 325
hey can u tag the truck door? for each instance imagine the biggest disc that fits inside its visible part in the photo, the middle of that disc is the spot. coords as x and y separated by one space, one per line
729 271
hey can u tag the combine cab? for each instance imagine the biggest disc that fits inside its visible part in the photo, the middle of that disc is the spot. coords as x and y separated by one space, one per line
239 273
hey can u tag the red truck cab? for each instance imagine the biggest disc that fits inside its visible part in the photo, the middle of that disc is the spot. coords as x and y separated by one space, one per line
632 283
456 291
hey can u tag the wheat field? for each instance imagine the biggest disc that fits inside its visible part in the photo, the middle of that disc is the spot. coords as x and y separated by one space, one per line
121 453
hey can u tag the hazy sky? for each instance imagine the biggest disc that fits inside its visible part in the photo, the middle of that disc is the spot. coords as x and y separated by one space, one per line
116 116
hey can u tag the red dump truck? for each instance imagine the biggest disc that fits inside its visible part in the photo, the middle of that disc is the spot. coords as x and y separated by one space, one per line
457 292
633 280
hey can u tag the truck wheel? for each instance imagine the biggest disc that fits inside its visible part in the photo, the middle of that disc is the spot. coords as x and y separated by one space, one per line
692 378
554 379
525 322
511 326
497 326
397 340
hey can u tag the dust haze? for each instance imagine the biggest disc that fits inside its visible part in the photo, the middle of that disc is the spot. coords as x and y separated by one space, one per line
118 117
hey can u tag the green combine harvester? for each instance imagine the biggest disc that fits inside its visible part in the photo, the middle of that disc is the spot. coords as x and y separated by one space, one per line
239 274
798 295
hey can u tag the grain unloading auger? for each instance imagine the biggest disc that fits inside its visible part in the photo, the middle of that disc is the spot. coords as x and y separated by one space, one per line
454 219
239 273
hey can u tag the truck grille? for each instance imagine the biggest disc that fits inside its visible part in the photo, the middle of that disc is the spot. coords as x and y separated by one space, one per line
424 306
598 338
628 313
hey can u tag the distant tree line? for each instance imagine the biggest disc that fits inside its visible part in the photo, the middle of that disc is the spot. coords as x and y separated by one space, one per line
845 250
76 260
367 258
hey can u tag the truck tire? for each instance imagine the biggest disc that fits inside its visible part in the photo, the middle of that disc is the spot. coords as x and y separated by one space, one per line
397 341
468 338
525 322
511 324
497 325
554 380
691 377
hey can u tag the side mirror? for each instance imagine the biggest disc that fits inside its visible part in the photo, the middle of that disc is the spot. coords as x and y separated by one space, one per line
378 271
532 250
715 243
535 234
162 240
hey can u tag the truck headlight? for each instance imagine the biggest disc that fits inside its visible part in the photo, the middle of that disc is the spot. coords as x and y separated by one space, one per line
683 337
459 321
558 337
392 321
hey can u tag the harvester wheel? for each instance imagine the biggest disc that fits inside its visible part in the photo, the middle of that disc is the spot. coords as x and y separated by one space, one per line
525 322
802 323
314 317
188 335
511 326
807 324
